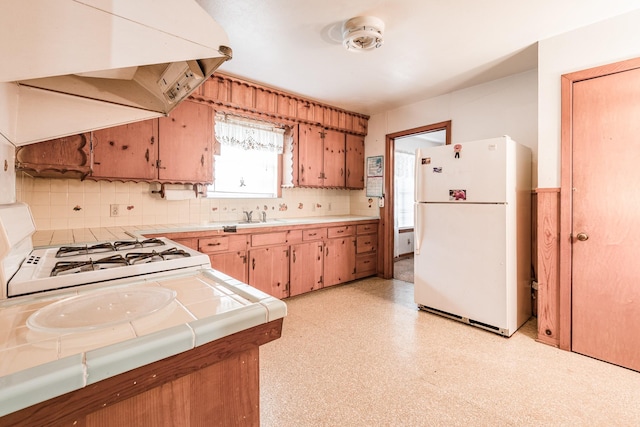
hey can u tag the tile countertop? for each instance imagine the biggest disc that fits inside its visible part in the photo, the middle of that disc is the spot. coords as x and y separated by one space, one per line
81 235
36 366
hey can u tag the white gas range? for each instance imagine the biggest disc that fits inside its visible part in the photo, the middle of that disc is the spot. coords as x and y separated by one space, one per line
25 270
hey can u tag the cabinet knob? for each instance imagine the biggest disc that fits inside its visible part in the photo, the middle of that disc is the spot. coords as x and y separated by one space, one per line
583 237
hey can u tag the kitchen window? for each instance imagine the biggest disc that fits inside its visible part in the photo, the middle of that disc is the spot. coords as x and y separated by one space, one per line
248 158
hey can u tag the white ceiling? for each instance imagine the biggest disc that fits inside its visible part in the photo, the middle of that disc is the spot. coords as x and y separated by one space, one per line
431 47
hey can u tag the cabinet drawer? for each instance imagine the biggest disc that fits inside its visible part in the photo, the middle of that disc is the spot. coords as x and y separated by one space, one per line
365 265
213 244
294 236
269 239
366 243
367 228
345 230
314 234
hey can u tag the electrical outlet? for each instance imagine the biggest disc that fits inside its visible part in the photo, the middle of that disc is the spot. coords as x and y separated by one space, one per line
329 206
115 210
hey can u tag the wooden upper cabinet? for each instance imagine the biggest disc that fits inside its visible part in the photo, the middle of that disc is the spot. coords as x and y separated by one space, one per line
61 157
355 161
185 151
334 159
321 157
310 155
127 151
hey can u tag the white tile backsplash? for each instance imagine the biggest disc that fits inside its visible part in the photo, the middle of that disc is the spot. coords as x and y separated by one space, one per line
71 203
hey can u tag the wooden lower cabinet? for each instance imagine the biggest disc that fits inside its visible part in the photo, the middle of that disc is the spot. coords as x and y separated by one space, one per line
306 267
285 263
214 384
228 254
269 270
233 264
339 260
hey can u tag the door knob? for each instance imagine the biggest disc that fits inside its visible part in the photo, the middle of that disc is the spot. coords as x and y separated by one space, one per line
582 236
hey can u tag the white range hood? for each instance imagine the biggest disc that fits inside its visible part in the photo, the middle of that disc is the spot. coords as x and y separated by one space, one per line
71 66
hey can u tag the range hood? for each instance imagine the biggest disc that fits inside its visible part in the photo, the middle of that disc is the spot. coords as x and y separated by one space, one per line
72 66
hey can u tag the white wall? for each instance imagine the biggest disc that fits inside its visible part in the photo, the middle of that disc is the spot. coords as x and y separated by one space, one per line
612 40
507 106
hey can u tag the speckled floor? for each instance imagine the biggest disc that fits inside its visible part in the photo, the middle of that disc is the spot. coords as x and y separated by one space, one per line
361 354
403 269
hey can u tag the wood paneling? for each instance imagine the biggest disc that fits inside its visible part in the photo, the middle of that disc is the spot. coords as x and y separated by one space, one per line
547 262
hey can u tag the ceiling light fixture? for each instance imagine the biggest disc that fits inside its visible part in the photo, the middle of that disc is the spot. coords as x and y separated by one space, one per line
362 33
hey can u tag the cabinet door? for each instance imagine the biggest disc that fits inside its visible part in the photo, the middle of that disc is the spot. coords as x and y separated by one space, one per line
310 155
269 270
233 264
355 161
185 153
306 267
334 159
127 151
339 260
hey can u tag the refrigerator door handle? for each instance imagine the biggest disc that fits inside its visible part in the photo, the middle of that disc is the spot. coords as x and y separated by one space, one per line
417 238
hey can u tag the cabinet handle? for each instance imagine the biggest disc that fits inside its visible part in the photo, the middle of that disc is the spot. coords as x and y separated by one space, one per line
366 262
312 234
253 263
340 231
293 253
327 254
367 243
159 164
244 259
153 139
214 244
341 171
202 160
146 155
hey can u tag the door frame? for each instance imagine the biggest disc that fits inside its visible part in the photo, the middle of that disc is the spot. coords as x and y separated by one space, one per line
387 212
566 184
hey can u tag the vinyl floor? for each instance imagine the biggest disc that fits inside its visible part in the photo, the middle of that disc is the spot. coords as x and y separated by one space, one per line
361 354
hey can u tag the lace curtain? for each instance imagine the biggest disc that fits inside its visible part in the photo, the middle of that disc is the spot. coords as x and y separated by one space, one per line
248 134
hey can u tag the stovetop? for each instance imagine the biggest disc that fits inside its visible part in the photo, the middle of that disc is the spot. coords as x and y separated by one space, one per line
47 269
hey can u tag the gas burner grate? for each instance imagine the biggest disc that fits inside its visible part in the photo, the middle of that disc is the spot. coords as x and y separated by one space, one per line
139 257
131 244
69 267
65 251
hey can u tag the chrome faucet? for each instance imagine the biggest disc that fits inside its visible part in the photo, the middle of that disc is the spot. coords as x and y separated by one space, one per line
248 215
264 216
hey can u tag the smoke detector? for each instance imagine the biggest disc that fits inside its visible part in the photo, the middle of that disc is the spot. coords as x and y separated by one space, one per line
362 33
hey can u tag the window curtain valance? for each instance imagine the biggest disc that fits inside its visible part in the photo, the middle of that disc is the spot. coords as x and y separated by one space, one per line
248 134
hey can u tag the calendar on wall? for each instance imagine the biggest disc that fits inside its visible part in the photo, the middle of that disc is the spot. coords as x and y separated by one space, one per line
375 169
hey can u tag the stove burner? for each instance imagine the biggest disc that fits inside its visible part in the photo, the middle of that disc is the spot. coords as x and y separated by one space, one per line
138 257
130 244
67 267
65 251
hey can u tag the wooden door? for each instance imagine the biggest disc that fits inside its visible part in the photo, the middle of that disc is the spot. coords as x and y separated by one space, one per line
127 151
334 159
233 264
305 273
269 270
355 161
186 137
310 155
339 260
606 218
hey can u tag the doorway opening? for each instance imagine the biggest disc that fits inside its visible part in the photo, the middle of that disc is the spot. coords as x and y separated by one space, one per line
397 214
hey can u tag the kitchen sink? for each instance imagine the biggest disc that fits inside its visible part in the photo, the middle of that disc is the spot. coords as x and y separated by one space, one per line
99 309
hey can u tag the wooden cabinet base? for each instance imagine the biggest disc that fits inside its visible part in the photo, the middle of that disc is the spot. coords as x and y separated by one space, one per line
216 384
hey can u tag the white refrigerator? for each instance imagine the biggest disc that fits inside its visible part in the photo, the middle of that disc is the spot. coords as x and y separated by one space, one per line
473 233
